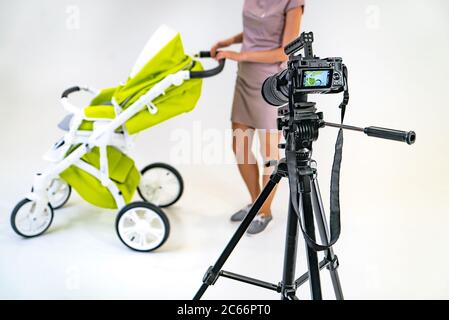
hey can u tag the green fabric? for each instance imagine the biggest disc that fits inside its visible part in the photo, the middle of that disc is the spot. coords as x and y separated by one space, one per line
103 112
86 126
104 97
168 60
122 172
176 100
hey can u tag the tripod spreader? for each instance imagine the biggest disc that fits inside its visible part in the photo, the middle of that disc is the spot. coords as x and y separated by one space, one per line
383 133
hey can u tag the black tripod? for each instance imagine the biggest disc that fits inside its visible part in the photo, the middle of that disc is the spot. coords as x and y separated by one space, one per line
312 207
300 124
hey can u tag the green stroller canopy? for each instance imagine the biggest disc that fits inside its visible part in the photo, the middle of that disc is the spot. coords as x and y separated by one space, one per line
162 56
169 59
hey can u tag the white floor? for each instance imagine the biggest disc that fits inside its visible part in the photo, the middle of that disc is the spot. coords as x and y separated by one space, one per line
81 256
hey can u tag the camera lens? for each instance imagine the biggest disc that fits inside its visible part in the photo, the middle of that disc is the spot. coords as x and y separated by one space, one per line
274 91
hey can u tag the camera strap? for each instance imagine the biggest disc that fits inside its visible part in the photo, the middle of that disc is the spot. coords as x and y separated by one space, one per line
334 224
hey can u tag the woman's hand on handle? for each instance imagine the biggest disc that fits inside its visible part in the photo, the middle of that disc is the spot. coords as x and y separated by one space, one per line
231 55
218 45
238 38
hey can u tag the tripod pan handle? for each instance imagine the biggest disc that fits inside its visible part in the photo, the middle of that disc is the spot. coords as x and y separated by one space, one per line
391 134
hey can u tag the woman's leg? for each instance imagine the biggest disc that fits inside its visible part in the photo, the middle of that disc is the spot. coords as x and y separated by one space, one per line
269 141
242 141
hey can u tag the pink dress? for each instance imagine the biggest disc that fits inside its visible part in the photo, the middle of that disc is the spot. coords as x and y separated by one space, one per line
263 29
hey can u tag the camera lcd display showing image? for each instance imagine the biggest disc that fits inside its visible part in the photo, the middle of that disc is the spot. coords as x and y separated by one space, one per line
317 79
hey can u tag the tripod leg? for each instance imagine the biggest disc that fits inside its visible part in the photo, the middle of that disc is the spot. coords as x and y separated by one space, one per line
214 271
291 242
324 234
312 255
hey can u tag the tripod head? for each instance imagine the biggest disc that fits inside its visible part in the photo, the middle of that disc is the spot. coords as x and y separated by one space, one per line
302 120
305 122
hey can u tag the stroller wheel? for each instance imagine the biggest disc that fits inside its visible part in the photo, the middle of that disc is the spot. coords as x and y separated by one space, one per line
142 226
59 193
160 184
27 222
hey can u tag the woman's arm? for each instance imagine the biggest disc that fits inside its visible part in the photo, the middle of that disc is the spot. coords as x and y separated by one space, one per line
238 38
291 30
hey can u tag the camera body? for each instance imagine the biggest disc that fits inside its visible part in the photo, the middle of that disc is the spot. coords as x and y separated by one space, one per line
304 75
317 75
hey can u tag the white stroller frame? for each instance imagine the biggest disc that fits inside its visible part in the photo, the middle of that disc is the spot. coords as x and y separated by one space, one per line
102 136
154 222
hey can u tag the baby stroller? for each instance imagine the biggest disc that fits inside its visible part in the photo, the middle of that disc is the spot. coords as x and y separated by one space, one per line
92 157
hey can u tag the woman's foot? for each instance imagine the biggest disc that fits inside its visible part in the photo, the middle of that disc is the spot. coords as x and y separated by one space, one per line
259 223
241 214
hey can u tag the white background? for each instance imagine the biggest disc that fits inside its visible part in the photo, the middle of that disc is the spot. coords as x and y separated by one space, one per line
394 197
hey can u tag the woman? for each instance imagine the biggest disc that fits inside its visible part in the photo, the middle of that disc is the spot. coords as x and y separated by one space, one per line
268 25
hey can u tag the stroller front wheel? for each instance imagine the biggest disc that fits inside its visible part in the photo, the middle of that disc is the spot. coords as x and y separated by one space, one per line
160 184
142 226
59 193
27 222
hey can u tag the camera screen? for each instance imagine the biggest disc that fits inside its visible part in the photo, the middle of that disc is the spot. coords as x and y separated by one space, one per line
317 78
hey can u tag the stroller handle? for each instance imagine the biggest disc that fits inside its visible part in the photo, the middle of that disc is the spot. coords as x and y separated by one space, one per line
69 91
65 97
210 72
74 89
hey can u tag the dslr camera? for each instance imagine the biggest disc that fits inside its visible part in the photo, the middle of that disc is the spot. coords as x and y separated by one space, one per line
308 74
